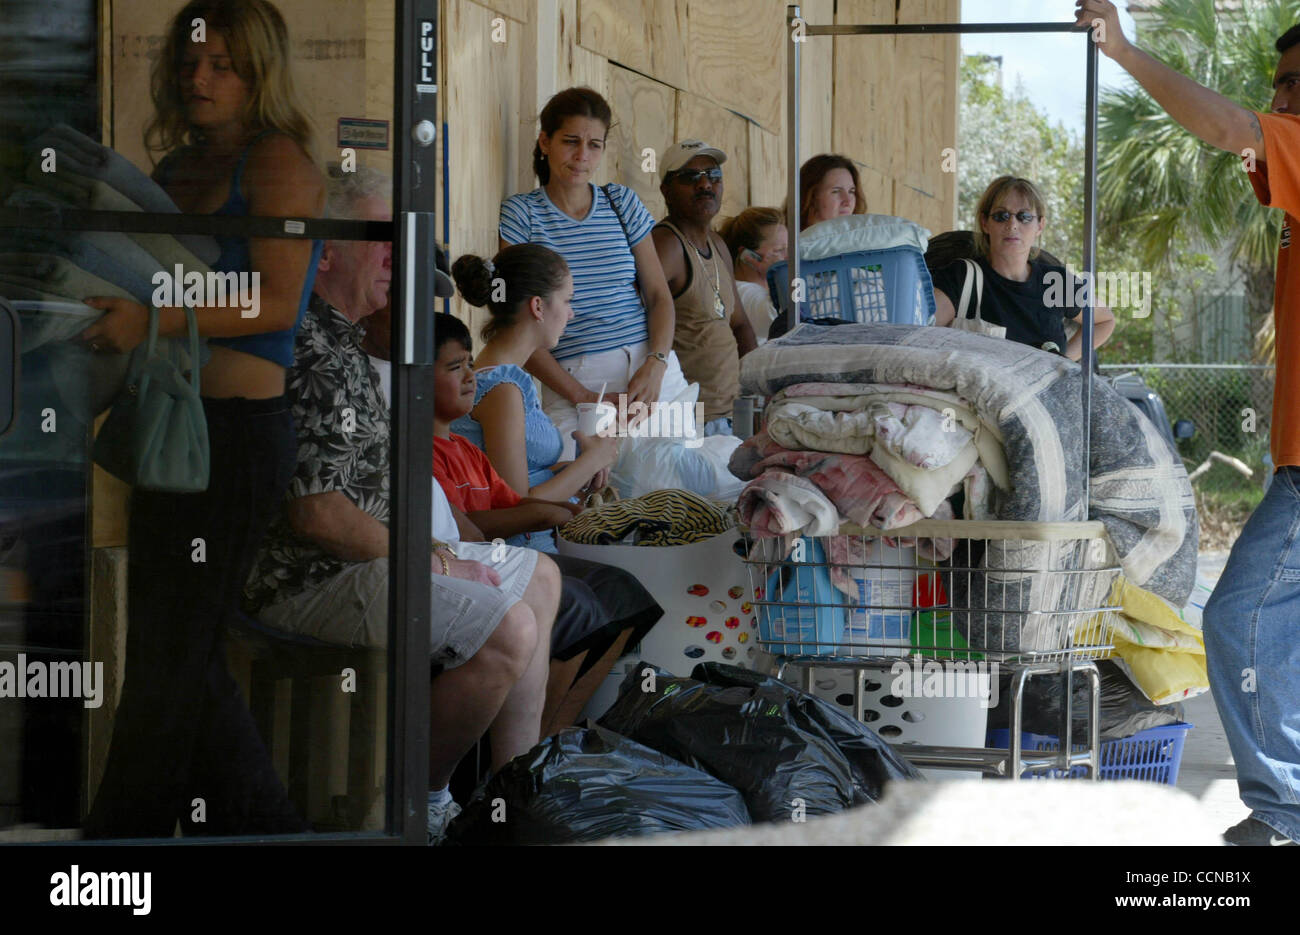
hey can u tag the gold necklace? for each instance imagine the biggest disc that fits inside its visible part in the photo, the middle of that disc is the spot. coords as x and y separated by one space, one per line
719 307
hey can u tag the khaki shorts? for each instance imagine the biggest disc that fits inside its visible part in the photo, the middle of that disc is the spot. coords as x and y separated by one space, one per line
351 608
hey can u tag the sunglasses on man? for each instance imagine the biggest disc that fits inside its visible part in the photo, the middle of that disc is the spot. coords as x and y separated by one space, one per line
691 176
1024 217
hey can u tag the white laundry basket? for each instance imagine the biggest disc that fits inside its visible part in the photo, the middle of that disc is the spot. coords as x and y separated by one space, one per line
704 590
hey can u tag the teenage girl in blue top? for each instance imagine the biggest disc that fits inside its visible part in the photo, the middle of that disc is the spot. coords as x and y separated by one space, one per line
530 317
236 143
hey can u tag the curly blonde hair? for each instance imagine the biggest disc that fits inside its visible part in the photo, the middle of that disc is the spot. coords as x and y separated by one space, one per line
258 41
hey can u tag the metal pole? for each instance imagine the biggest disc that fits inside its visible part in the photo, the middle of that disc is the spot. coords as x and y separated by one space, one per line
792 161
1089 256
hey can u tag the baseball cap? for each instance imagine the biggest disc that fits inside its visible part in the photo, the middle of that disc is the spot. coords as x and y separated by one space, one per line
681 153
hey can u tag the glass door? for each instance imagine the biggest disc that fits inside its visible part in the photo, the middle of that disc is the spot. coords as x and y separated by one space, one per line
215 250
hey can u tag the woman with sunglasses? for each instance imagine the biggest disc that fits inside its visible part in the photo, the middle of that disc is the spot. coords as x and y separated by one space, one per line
1017 291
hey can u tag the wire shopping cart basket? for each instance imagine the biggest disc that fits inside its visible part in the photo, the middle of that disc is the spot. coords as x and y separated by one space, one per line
963 598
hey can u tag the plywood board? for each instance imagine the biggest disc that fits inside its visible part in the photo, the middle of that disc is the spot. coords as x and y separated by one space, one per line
380 39
816 84
521 11
736 53
646 35
767 183
328 40
701 119
867 120
645 117
482 100
576 66
878 189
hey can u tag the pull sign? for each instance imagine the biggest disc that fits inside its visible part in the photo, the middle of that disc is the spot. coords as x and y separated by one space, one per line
426 81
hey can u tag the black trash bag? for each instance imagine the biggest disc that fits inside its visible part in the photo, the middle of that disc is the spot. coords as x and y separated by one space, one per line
1125 711
587 784
773 742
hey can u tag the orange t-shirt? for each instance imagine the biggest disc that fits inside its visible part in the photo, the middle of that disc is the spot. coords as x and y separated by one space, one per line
1277 185
467 476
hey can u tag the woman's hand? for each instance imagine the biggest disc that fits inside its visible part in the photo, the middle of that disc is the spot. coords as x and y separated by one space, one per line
123 327
646 383
602 448
597 482
585 395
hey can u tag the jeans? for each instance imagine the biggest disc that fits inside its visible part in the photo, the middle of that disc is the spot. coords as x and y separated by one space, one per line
182 731
1252 645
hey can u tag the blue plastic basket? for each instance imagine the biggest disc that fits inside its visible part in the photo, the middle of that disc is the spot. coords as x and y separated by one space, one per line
1151 755
890 285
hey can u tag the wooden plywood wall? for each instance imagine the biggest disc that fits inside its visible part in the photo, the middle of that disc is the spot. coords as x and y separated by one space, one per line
713 69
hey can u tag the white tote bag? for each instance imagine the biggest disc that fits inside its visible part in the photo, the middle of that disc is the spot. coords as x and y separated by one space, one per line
975 323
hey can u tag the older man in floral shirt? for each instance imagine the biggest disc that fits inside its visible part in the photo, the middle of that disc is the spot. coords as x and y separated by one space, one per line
323 569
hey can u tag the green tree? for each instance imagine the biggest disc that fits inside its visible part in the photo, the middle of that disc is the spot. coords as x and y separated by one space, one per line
1162 188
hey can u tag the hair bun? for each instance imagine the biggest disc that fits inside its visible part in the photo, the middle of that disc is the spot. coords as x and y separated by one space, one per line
473 277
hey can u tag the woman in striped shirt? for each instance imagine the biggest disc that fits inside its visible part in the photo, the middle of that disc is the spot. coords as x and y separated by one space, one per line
622 332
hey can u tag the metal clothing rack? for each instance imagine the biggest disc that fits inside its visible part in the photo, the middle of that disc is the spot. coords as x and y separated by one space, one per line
798 27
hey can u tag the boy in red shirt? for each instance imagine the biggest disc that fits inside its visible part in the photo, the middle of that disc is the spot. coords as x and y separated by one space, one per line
464 471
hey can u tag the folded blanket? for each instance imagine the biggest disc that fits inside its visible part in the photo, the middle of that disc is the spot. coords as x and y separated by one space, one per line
90 175
860 491
1138 490
779 503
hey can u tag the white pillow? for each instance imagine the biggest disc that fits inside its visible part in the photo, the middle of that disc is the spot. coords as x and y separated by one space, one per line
854 232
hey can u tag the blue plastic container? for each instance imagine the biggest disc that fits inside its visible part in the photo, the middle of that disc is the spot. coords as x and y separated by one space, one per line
804 609
1151 755
890 285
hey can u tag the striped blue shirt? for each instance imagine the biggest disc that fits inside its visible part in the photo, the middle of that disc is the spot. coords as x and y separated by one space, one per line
608 313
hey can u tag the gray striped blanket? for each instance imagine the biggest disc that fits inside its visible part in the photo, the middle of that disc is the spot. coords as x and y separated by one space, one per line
1138 485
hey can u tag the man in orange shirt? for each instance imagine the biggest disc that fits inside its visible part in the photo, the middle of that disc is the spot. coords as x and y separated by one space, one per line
1252 621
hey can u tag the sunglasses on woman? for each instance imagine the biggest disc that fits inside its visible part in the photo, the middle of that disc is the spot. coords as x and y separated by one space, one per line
691 176
1024 217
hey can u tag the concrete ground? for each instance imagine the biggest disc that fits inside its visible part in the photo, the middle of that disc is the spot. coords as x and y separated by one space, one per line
1207 770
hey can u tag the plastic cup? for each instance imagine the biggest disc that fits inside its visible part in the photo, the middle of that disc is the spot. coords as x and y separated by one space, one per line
593 416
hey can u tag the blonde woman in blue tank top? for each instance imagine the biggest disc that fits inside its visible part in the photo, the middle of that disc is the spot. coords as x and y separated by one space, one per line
236 142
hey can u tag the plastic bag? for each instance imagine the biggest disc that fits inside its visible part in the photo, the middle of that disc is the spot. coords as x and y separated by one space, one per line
1125 711
586 784
788 752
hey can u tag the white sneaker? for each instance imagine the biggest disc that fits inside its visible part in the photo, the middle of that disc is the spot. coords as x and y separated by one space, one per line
439 817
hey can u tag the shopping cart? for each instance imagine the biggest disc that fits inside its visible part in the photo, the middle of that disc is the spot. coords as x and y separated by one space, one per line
962 599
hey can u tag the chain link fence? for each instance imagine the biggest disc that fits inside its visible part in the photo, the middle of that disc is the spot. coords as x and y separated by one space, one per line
1230 405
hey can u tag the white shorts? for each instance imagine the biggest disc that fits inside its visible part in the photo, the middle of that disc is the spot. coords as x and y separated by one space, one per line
614 369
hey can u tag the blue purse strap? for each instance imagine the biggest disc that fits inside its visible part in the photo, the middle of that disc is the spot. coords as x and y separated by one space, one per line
152 346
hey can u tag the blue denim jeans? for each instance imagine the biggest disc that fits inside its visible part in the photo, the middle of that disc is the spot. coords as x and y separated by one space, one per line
1252 645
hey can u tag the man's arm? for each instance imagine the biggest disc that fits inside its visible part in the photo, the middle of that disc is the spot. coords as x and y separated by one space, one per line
1206 114
338 526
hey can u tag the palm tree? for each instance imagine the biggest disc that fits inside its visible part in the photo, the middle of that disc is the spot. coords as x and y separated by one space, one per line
1158 184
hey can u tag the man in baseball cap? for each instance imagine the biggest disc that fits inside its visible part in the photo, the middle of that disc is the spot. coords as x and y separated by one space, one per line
711 331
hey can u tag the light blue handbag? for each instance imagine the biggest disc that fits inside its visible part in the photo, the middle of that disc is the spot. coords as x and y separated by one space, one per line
156 434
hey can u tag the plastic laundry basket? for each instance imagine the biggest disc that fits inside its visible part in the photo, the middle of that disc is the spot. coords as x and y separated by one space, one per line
943 722
1152 755
704 590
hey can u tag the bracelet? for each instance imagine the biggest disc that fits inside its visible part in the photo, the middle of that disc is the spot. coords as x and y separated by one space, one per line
446 569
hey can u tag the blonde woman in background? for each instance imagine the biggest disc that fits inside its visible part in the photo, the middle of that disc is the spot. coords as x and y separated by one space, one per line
1017 292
